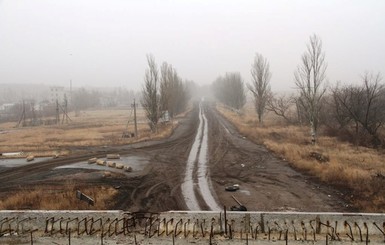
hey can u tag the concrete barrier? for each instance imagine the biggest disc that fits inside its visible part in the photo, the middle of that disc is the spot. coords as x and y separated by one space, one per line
92 160
113 156
101 162
234 226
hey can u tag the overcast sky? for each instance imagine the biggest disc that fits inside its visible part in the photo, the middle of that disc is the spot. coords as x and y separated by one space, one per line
104 43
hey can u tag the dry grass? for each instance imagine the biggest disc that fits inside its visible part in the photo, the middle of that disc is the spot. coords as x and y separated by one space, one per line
41 198
358 171
91 128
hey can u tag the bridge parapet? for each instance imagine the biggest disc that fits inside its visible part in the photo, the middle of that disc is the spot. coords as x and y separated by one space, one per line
200 225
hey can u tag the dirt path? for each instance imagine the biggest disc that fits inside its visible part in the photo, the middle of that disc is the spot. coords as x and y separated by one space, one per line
266 182
197 166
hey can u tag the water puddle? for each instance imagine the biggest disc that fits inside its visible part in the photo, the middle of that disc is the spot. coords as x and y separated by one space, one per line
17 162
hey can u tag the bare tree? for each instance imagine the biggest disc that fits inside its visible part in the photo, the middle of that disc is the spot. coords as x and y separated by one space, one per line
338 114
166 72
373 104
309 79
230 90
182 96
174 94
280 106
260 87
236 89
150 95
362 105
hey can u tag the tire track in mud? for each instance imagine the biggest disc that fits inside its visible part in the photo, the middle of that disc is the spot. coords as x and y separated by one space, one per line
267 183
228 158
197 162
188 183
140 191
203 175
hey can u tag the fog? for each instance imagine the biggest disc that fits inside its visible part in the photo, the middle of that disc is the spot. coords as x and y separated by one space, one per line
104 43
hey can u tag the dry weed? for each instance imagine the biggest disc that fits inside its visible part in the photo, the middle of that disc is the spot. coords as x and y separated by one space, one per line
91 128
58 199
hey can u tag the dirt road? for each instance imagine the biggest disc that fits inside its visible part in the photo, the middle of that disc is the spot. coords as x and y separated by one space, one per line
266 182
197 171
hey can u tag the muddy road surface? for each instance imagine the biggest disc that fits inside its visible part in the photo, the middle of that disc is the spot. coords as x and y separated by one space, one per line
188 171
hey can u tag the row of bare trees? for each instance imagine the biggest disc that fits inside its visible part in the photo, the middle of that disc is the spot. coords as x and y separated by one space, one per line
173 91
353 112
356 111
309 80
163 94
230 90
260 85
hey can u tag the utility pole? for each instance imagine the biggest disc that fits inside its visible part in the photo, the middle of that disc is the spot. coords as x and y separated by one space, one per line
65 110
57 112
33 119
22 117
71 97
135 123
24 124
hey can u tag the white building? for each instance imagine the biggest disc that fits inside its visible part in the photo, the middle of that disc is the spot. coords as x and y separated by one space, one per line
6 107
57 93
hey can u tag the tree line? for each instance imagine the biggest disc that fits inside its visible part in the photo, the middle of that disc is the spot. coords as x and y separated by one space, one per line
229 89
79 99
352 112
164 92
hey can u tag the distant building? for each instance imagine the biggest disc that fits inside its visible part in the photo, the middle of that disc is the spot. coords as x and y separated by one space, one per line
57 93
165 117
6 107
6 111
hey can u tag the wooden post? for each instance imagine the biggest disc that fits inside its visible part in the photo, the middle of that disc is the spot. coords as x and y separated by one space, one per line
57 112
136 125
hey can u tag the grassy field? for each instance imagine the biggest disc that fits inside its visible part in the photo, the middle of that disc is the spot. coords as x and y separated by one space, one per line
90 128
359 171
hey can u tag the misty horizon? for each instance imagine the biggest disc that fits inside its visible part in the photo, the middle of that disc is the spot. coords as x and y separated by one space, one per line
104 44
